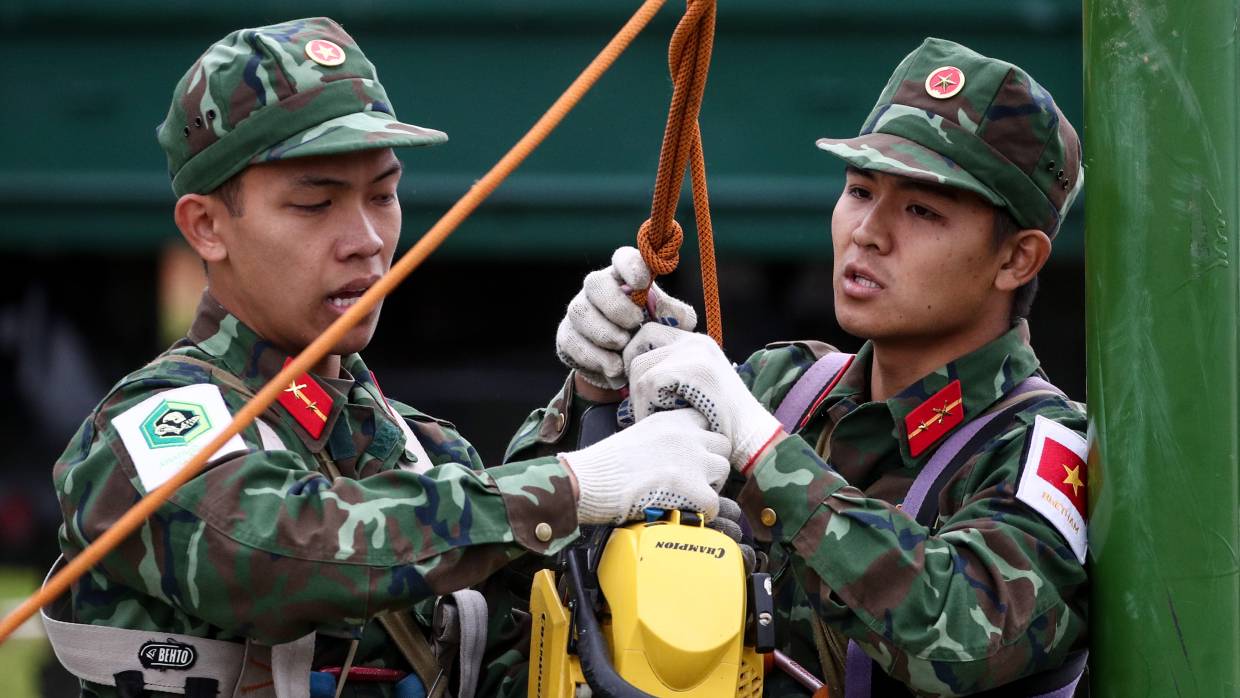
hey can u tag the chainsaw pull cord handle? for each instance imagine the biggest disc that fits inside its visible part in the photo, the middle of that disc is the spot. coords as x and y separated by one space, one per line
659 238
591 647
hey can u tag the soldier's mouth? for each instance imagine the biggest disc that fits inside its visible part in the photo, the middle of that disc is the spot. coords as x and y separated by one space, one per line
347 296
859 282
865 281
343 301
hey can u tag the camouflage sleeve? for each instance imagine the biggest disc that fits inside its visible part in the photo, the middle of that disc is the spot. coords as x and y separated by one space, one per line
260 544
551 429
995 593
770 373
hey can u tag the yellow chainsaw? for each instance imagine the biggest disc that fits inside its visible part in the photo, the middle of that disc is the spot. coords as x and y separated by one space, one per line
661 607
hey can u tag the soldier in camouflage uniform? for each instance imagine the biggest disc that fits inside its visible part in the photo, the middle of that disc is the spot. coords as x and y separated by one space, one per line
337 505
955 187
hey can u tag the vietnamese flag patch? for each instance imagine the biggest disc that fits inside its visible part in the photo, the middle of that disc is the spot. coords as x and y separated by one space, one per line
1054 480
932 419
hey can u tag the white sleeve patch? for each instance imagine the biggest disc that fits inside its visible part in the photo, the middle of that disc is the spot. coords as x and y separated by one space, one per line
1054 478
164 431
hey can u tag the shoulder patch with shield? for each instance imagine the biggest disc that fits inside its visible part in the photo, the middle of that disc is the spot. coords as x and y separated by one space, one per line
164 431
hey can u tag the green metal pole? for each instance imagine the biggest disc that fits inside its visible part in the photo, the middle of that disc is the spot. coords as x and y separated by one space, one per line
1162 221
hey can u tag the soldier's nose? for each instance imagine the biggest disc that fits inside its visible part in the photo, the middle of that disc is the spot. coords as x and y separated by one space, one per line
362 238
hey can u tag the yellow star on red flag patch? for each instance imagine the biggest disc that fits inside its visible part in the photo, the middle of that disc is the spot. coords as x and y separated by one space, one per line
1055 480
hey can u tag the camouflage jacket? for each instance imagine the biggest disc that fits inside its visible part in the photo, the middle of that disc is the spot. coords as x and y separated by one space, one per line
261 544
990 593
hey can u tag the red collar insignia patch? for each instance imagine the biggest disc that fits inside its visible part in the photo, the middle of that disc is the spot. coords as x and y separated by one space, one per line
945 82
308 403
932 419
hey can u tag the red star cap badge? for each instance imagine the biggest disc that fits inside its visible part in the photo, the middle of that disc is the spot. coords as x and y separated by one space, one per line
307 402
325 53
932 419
945 82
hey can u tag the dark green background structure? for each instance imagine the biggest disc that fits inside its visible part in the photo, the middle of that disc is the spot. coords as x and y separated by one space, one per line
1164 389
90 81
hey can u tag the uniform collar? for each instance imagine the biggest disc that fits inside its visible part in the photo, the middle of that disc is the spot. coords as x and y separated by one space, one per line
312 409
985 376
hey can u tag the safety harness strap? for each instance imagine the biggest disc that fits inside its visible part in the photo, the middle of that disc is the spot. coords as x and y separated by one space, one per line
461 631
94 653
229 380
291 663
814 384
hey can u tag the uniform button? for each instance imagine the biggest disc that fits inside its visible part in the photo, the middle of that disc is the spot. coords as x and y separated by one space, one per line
559 422
768 517
543 532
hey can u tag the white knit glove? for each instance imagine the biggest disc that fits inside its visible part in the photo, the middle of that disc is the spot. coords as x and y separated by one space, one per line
602 318
670 369
669 461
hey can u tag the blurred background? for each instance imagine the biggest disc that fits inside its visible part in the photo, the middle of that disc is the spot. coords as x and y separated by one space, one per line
96 280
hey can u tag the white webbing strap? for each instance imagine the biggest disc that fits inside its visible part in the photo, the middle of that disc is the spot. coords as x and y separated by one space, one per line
96 653
291 663
461 627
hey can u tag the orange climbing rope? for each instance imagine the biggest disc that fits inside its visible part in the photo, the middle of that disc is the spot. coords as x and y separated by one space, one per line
659 238
312 354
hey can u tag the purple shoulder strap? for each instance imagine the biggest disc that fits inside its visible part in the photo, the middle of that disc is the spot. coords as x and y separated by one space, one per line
858 666
1065 692
809 386
945 454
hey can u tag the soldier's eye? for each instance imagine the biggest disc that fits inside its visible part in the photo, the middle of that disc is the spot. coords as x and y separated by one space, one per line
385 199
923 212
313 208
858 192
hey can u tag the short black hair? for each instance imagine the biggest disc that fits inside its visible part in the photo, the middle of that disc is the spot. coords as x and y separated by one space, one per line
230 193
1005 227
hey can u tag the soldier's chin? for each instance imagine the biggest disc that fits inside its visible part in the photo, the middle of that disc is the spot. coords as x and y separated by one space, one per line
855 324
356 340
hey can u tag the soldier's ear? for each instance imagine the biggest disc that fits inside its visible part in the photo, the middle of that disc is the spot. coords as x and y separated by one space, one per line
1025 253
199 216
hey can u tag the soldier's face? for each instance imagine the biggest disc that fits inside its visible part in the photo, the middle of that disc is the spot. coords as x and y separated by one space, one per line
313 235
915 264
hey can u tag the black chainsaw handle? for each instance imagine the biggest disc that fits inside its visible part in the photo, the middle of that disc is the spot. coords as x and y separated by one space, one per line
591 647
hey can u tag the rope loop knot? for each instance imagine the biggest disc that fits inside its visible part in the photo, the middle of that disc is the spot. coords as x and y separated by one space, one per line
659 238
661 252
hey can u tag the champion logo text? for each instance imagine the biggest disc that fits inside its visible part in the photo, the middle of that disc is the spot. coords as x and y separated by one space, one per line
712 551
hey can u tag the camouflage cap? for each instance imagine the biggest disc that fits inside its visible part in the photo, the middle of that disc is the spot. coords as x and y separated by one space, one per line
953 116
287 90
